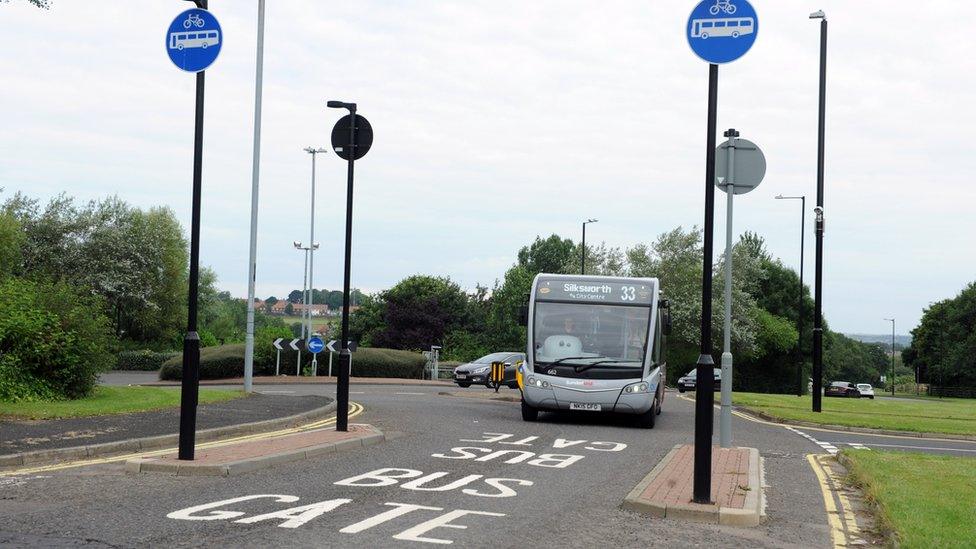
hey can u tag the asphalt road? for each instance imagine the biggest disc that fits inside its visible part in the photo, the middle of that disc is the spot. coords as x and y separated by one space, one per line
547 501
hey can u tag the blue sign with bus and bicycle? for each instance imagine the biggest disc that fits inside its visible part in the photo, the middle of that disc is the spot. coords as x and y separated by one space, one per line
193 40
721 31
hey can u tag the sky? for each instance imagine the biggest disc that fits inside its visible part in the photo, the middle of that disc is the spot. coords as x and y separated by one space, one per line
497 121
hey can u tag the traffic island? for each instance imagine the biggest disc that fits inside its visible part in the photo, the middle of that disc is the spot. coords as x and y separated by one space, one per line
666 492
236 458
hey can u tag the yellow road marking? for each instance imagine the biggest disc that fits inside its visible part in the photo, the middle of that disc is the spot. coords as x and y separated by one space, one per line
836 527
354 410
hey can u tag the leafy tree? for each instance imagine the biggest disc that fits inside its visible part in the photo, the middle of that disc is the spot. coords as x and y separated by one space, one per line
289 309
43 4
11 240
552 255
418 312
295 296
943 345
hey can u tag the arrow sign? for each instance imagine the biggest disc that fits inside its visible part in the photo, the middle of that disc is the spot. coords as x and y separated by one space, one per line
277 343
294 344
351 345
331 346
315 344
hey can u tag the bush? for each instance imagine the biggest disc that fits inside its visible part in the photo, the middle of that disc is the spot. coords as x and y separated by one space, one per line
144 360
379 362
218 362
226 361
54 340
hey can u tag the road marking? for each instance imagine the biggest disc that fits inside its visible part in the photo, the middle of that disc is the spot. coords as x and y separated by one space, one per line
843 524
923 447
408 393
354 410
858 446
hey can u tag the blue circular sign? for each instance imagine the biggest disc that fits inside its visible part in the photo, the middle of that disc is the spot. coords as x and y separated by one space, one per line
315 344
720 31
193 40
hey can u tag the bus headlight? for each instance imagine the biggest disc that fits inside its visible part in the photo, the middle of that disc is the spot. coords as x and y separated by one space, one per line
534 382
636 388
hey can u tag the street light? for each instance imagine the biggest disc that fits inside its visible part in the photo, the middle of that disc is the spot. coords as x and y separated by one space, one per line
799 321
311 238
819 222
583 253
892 355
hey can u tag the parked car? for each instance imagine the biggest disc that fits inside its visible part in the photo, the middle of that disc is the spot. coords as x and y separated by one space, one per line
865 390
478 371
687 382
841 389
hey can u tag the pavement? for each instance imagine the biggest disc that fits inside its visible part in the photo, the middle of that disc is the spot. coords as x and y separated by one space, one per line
31 435
462 470
152 379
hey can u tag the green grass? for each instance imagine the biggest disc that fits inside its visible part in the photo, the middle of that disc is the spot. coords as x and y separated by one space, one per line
949 415
110 400
927 500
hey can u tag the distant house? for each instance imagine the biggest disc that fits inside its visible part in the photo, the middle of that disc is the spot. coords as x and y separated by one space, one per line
316 309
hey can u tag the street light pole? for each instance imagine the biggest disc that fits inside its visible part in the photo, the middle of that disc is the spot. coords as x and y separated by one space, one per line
892 355
819 221
311 238
255 171
583 253
799 320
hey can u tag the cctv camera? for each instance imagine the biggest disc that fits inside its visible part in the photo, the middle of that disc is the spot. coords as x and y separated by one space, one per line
818 210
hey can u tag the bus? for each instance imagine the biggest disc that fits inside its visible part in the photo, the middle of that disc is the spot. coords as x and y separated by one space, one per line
595 344
723 26
193 39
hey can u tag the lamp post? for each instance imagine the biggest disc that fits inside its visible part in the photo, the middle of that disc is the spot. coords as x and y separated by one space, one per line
306 249
819 221
799 320
311 238
892 355
583 253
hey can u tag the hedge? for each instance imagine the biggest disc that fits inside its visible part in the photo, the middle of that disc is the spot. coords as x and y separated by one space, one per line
226 361
144 360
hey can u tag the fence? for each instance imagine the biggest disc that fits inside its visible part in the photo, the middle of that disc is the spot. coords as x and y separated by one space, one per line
954 392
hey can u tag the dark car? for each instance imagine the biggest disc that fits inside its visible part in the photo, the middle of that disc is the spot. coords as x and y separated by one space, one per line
687 382
842 389
478 371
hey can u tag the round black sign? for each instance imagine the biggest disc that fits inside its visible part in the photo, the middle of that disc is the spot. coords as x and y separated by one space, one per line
362 138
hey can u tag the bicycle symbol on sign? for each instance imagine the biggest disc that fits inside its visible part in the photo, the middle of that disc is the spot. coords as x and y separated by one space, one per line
194 19
720 5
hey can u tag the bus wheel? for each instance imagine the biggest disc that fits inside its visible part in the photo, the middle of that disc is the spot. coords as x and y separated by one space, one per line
648 418
529 413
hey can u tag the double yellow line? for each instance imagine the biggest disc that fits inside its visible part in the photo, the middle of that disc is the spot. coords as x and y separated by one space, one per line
354 410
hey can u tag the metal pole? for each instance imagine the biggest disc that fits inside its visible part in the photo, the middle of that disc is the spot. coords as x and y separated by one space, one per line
799 321
311 257
255 170
277 361
818 298
345 358
892 357
725 416
704 398
190 385
583 253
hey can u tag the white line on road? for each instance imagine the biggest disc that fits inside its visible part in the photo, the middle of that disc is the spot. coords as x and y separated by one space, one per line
941 449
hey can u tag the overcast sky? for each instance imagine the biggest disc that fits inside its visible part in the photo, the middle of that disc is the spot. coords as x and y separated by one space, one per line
498 121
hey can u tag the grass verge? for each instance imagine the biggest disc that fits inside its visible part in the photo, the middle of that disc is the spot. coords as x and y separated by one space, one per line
950 415
110 400
925 500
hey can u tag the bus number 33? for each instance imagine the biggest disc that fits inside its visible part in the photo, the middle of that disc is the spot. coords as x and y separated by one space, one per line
628 293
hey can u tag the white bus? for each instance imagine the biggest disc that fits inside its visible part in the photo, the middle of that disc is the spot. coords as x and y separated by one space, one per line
595 344
725 26
194 39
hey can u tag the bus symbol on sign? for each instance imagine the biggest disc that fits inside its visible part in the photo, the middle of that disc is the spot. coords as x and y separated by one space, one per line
705 28
180 40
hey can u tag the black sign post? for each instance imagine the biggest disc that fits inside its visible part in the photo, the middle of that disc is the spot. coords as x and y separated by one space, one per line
190 383
352 137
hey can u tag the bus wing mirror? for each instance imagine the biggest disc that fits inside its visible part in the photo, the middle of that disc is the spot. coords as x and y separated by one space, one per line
666 329
523 315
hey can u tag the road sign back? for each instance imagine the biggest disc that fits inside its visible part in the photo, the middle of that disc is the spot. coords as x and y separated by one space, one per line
720 31
340 137
749 166
193 40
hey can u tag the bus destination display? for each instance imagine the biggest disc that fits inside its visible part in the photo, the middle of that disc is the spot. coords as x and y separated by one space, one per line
594 291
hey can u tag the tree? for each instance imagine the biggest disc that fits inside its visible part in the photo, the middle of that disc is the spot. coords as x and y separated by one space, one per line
11 240
552 255
295 296
418 312
43 4
943 347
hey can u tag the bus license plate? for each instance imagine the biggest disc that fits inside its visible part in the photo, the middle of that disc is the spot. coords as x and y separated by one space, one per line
585 407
